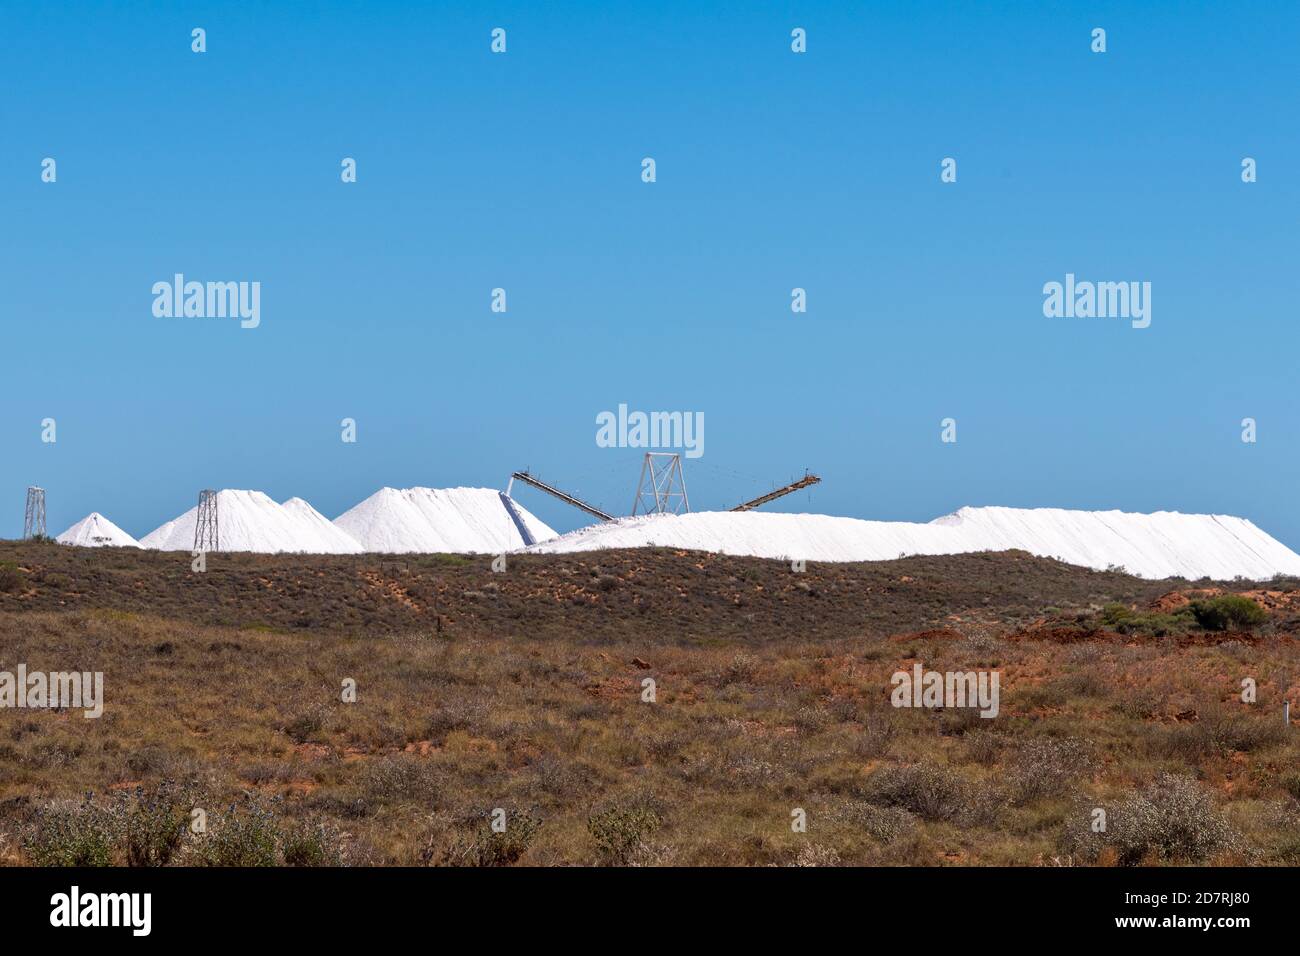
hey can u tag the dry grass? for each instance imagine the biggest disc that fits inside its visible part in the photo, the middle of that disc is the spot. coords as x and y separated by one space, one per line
527 697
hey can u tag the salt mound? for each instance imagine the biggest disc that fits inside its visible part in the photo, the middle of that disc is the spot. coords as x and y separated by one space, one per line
441 520
96 531
322 526
1164 544
251 521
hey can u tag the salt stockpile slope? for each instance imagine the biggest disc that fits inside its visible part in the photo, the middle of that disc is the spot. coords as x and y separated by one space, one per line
434 520
1149 545
343 542
251 521
762 535
96 531
1160 545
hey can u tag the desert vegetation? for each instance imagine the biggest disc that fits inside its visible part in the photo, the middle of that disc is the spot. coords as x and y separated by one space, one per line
520 697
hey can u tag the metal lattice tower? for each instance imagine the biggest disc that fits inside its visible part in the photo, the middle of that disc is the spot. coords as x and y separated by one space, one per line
34 516
662 488
206 537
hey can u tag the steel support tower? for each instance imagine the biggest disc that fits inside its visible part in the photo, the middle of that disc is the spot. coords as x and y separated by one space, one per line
206 536
662 488
34 515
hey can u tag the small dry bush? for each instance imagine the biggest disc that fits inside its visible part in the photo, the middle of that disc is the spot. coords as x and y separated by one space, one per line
883 824
621 831
475 842
931 792
1172 820
1216 734
879 731
1045 766
815 854
982 747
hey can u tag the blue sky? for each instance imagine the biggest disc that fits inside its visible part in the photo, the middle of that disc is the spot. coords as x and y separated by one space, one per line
775 170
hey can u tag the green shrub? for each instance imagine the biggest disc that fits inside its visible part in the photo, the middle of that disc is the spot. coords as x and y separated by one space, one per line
1083 683
311 844
153 824
11 579
1114 612
1125 620
620 832
64 834
1158 625
478 844
1228 612
247 836
134 828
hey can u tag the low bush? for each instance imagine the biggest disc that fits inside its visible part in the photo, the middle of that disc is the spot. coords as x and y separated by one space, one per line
1125 620
1227 612
883 824
134 828
621 831
1045 766
1173 820
929 791
154 823
240 836
311 844
70 834
476 842
11 579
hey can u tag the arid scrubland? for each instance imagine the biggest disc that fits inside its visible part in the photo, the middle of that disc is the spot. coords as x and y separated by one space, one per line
521 697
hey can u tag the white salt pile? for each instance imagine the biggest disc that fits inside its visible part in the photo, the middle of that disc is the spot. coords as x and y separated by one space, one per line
251 521
321 525
1164 544
96 531
429 520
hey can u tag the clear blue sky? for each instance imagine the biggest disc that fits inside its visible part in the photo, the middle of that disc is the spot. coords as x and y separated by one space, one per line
775 170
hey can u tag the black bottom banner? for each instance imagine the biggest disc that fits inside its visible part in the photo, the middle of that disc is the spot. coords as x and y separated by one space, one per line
339 905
